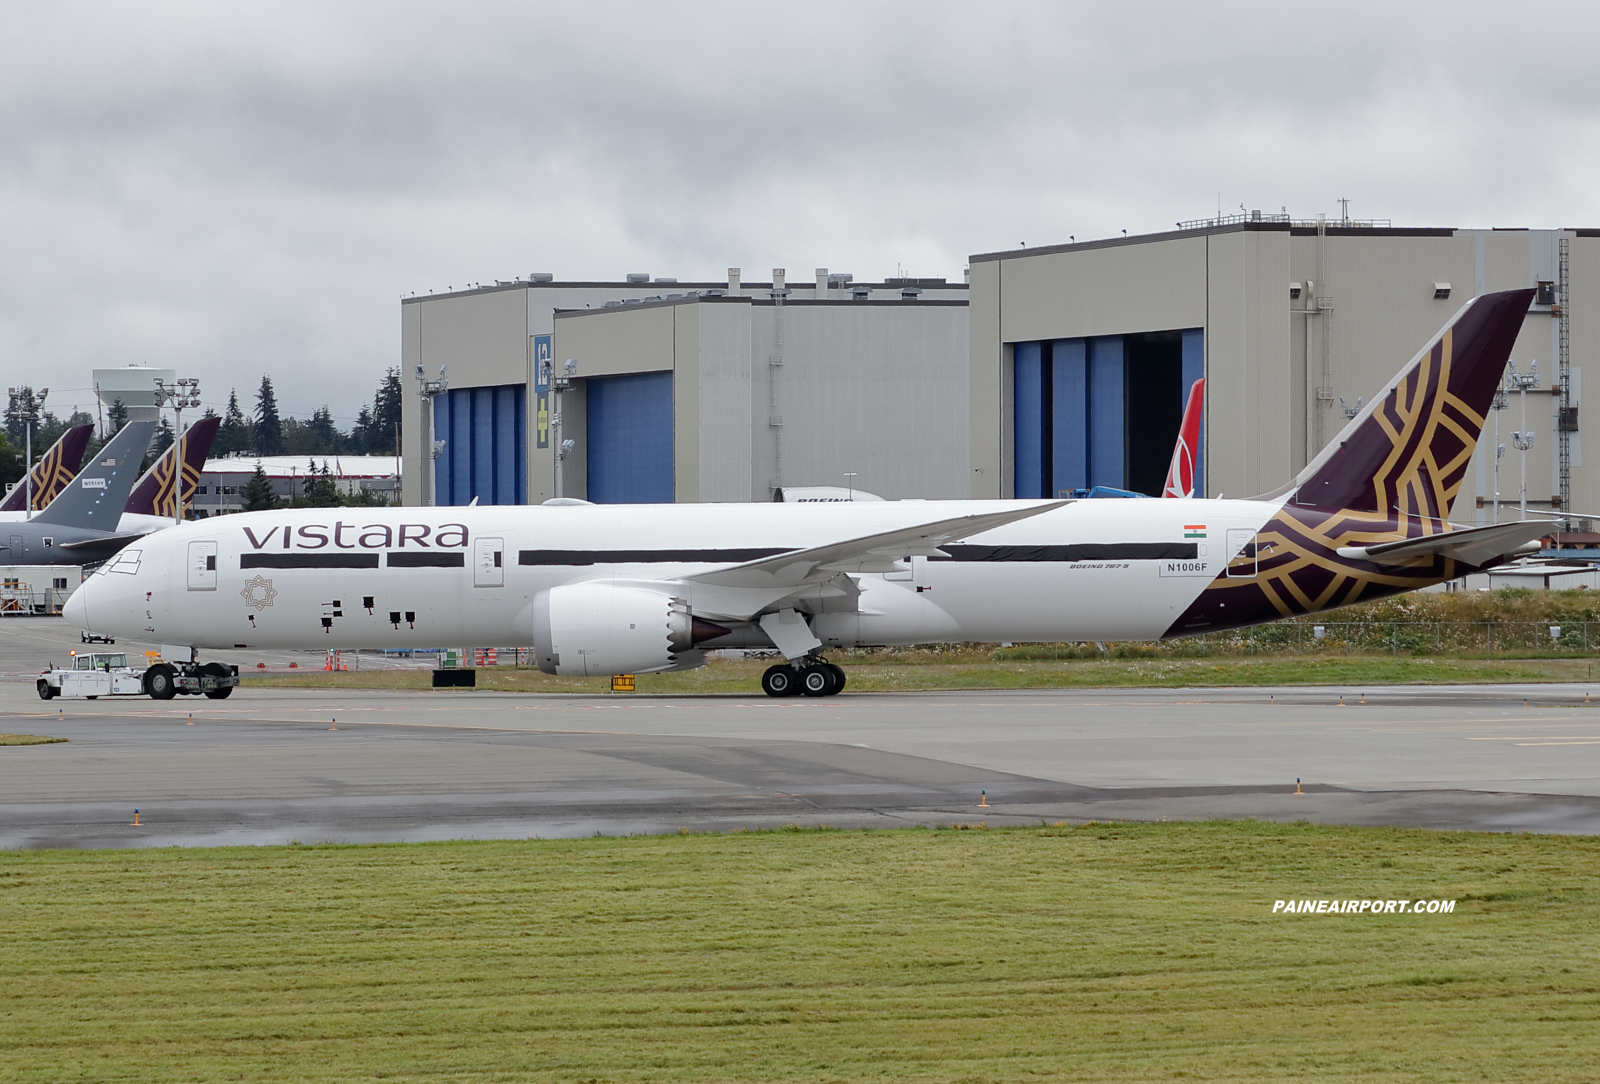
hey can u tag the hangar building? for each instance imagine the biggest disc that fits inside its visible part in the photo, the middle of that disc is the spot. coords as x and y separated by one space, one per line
1082 354
695 391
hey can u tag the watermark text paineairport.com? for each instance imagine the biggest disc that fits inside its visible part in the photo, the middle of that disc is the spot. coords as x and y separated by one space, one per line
1363 907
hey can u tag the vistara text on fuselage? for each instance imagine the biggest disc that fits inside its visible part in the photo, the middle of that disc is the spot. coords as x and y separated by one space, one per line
608 589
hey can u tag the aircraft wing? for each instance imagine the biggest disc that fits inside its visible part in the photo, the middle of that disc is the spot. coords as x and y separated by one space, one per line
110 543
872 553
1469 545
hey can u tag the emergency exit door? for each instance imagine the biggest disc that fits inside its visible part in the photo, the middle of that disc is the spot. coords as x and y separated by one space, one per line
488 562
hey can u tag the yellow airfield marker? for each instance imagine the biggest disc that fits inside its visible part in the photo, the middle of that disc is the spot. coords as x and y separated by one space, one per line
136 823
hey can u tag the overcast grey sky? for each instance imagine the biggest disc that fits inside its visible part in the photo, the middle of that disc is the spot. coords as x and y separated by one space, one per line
238 189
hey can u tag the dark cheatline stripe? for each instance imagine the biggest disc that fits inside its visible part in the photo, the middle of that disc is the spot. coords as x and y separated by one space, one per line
641 557
423 559
1115 551
308 560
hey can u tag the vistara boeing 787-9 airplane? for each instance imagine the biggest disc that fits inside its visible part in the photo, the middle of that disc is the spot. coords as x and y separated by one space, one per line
618 589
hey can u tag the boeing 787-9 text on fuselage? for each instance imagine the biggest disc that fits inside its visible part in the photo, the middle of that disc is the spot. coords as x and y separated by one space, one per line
616 589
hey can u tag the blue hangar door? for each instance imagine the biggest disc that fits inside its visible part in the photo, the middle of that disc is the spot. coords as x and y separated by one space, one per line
1102 411
485 453
630 439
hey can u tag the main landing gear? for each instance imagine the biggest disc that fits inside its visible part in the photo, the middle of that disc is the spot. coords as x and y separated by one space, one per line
814 678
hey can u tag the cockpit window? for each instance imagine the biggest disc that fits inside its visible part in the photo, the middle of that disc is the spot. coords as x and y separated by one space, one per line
127 562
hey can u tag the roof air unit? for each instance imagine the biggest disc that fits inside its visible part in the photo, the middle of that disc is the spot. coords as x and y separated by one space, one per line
639 276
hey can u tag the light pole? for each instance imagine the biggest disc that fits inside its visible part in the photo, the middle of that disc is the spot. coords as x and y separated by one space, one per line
558 385
1499 404
429 390
28 411
1523 440
181 393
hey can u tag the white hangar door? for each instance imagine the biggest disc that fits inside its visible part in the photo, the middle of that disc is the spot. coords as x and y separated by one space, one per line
202 566
488 562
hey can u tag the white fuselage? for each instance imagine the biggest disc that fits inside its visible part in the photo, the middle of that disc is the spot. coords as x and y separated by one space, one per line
428 577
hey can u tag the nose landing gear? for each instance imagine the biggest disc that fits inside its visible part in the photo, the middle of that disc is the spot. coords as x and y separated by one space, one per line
815 678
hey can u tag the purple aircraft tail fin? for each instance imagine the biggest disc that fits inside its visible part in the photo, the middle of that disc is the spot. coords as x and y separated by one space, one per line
54 471
153 496
1407 452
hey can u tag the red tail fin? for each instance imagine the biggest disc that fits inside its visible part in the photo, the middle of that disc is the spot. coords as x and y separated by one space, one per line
1180 476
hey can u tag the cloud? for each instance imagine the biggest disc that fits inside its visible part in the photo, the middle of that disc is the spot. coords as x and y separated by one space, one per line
238 190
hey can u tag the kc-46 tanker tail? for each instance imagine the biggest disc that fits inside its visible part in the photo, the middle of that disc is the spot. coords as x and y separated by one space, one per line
621 589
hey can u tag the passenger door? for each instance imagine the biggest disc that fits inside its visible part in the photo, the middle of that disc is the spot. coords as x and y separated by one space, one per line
202 566
488 562
1242 553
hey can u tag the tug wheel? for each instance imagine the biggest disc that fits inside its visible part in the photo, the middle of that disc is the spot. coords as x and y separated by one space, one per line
158 682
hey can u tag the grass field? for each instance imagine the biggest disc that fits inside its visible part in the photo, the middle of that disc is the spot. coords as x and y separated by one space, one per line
887 674
1096 952
28 739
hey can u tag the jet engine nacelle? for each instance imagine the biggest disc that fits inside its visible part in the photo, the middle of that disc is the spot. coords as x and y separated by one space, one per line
602 628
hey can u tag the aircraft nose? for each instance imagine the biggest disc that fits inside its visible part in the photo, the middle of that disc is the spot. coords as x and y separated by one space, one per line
76 608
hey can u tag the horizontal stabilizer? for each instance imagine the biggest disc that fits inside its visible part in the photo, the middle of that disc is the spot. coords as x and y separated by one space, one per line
1469 545
871 553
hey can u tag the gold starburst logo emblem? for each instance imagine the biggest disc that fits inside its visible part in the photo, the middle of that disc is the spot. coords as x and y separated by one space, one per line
258 593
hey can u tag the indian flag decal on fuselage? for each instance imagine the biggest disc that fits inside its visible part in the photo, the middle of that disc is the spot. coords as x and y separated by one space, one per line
1194 530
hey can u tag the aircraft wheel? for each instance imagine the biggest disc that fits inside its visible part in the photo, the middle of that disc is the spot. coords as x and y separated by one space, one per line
158 682
780 680
46 691
818 680
839 678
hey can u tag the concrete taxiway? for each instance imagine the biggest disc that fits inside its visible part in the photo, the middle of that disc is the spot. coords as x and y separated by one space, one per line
269 765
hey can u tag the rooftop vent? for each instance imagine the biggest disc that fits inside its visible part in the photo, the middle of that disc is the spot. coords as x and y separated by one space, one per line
860 293
666 280
838 280
639 276
909 293
541 276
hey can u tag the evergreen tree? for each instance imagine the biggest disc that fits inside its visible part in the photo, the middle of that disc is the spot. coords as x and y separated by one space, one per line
233 435
257 494
383 431
23 401
10 462
361 433
269 428
321 490
330 441
116 418
163 439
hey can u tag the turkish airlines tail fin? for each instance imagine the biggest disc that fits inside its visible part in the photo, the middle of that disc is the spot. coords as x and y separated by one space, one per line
1407 452
153 494
1180 476
53 471
96 496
